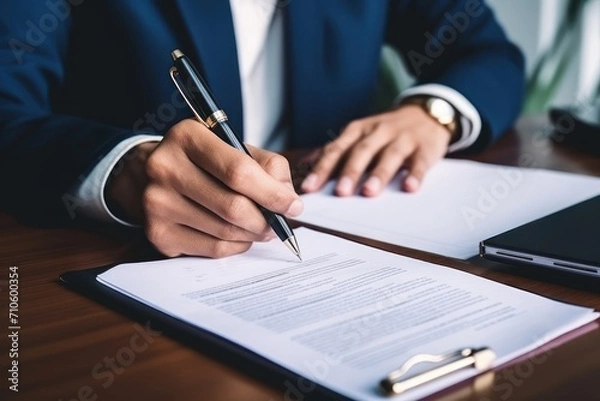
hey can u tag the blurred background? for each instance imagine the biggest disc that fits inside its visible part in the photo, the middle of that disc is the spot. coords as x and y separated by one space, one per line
561 43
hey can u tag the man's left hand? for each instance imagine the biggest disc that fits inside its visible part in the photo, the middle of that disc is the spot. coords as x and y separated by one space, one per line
378 147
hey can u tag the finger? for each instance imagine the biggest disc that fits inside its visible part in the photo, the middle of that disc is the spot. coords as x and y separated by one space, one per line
333 153
274 164
170 206
391 160
197 185
243 175
416 173
176 240
230 206
361 155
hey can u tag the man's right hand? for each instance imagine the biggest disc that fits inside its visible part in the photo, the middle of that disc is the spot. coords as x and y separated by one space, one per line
200 194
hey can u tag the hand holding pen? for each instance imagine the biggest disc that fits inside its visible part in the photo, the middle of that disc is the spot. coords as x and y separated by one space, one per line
204 106
202 194
199 196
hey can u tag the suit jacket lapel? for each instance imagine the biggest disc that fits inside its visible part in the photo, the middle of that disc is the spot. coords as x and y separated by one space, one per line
213 49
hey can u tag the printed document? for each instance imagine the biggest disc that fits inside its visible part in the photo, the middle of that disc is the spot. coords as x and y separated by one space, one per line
459 204
348 314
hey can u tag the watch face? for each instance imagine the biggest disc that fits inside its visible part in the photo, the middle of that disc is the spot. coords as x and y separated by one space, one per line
441 110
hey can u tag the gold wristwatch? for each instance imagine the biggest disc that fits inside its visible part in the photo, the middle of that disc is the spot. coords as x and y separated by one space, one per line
438 109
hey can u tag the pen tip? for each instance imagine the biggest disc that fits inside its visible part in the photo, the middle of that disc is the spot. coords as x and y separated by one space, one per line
176 54
292 245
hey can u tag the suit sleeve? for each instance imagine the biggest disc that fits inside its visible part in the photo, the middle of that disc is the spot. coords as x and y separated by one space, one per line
42 153
460 44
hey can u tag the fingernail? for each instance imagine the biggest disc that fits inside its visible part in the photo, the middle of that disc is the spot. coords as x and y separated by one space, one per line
295 208
411 184
344 186
309 182
372 185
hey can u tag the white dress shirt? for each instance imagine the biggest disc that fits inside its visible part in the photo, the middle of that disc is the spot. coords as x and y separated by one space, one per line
258 26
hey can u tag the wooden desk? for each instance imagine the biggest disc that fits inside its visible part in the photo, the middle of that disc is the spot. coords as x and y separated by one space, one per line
64 337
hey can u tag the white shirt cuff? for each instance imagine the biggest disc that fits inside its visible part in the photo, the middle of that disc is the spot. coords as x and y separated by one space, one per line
470 120
89 194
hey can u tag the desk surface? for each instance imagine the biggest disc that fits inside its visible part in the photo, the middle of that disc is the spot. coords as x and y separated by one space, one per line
67 342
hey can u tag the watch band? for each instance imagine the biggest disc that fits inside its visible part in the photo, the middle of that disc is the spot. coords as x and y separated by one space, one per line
440 110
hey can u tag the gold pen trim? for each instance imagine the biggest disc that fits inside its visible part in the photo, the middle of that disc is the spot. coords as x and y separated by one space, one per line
215 118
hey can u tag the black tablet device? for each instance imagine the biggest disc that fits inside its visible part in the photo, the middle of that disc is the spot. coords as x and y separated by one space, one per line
567 240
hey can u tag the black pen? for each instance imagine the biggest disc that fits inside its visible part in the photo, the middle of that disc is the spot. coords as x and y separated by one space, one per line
197 95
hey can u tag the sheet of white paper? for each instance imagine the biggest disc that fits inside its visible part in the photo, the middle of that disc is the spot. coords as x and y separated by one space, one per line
460 204
349 314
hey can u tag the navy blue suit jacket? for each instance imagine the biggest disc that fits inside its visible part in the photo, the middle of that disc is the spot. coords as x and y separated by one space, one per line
75 81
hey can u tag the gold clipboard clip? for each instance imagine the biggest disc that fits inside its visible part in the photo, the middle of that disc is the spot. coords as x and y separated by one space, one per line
395 383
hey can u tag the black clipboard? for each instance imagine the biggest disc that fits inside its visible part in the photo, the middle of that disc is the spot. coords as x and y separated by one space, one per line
216 347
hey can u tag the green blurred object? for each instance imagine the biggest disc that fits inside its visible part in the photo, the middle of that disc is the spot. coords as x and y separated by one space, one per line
547 75
549 71
390 82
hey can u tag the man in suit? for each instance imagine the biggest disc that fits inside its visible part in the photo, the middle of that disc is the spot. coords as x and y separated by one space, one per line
85 101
